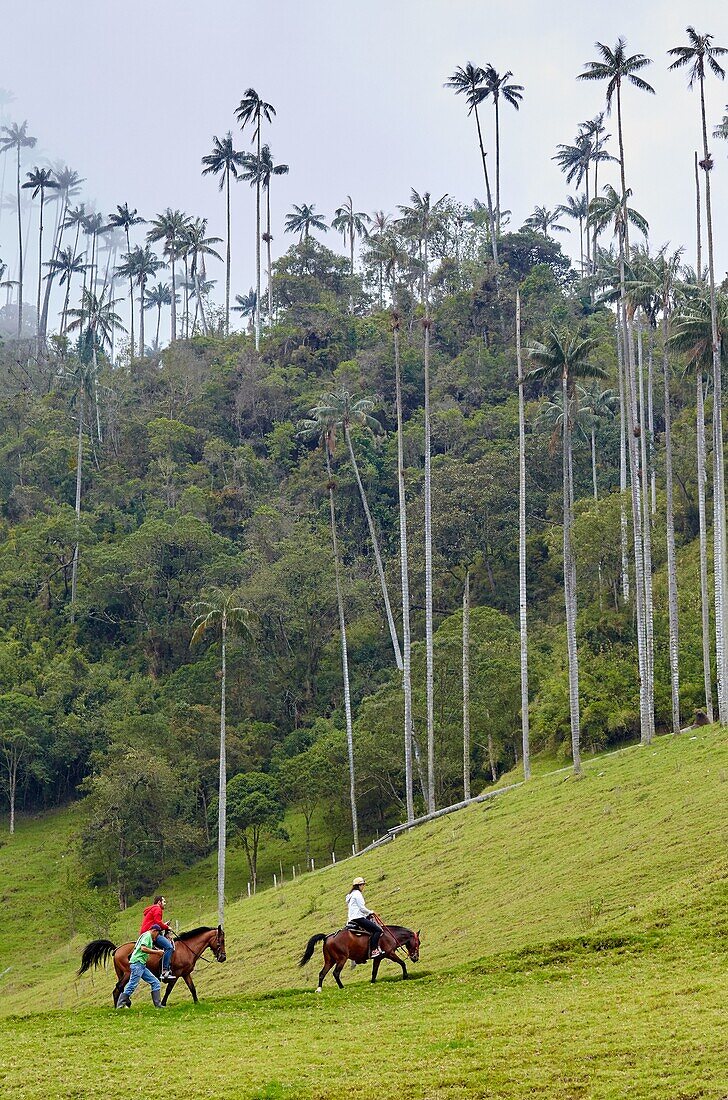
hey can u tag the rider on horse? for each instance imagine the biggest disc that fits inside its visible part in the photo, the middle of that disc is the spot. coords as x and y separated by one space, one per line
359 915
154 914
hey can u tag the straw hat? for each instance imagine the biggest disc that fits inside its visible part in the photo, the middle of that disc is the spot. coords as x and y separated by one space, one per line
359 881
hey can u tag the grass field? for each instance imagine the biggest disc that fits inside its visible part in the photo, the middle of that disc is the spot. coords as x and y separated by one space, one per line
575 944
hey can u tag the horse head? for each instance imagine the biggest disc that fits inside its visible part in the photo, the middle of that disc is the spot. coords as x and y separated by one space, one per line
413 946
218 945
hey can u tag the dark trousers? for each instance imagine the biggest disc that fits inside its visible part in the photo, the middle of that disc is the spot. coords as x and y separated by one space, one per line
369 926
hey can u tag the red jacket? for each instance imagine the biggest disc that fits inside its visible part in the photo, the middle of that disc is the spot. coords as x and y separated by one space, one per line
153 915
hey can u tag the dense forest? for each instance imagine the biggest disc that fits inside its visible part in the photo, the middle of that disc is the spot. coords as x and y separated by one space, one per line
347 524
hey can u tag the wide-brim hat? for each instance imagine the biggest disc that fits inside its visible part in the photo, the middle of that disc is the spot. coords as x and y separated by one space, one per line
359 881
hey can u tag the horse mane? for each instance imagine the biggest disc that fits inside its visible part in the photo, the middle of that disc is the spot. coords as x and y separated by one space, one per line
400 928
194 932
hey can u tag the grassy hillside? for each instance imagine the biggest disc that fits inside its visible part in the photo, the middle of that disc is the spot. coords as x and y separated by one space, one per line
574 943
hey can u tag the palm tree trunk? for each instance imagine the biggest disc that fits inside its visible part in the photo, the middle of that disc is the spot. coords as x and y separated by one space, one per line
491 220
581 246
670 520
623 466
227 252
466 684
646 539
40 273
142 286
131 297
404 567
377 554
257 253
173 320
65 305
497 168
720 563
699 250
222 790
159 321
268 251
522 591
79 463
588 257
704 595
199 302
20 255
186 320
569 581
55 252
429 644
651 419
344 656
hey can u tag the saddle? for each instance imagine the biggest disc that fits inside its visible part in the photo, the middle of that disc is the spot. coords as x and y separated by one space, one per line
356 930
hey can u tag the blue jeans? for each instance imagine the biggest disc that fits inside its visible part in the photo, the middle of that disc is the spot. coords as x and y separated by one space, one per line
140 972
168 946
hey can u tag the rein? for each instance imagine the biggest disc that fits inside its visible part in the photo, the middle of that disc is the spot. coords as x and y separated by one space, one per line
198 955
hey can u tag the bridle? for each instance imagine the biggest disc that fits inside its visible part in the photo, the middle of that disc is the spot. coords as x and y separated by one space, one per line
214 947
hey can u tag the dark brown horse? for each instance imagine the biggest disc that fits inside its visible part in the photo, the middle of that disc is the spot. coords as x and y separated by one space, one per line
188 948
348 944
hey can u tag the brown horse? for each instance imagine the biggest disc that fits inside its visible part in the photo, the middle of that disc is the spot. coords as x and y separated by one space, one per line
188 948
349 944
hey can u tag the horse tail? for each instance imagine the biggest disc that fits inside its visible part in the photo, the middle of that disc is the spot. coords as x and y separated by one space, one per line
318 938
95 953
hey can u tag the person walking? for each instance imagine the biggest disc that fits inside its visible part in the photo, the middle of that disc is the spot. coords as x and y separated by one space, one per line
144 947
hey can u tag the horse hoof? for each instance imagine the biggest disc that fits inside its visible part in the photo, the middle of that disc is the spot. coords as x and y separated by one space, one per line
318 989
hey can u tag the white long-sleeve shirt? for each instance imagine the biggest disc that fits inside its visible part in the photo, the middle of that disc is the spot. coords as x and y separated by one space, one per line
357 908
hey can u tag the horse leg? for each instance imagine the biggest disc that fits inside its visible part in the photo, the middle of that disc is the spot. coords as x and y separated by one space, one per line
337 974
375 967
168 990
396 958
328 963
191 986
116 992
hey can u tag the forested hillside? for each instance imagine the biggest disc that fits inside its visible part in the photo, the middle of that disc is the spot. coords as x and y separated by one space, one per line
317 520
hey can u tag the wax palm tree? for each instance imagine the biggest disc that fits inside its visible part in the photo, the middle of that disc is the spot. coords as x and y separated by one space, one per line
38 182
594 131
344 410
199 248
66 264
159 295
147 266
721 130
380 224
351 224
170 226
224 161
268 170
578 209
469 80
495 87
251 112
302 219
612 209
17 138
93 225
545 221
522 589
69 185
564 355
321 426
125 218
246 304
220 615
82 377
701 55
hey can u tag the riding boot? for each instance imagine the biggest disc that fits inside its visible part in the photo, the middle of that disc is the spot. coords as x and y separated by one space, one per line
157 998
123 1001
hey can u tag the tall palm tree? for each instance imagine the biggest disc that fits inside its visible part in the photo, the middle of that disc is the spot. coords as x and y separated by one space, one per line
700 54
417 220
147 266
251 112
199 248
124 218
351 224
224 161
66 264
268 170
594 131
564 356
302 219
219 614
170 226
323 427
344 410
469 80
574 161
380 224
522 589
17 138
612 209
160 295
69 185
82 376
38 182
578 209
496 86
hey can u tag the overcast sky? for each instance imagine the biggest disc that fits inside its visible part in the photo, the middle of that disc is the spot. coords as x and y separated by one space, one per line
130 94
